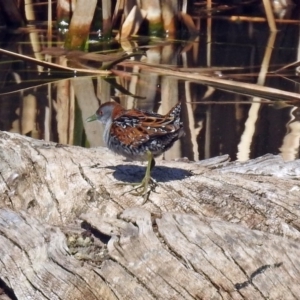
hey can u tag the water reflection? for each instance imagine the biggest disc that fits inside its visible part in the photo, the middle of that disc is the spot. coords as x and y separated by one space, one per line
212 128
36 103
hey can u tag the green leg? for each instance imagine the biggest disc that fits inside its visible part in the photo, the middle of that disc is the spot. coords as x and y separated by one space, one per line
142 188
147 177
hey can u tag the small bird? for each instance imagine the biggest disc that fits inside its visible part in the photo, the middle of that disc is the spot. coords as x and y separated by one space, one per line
139 135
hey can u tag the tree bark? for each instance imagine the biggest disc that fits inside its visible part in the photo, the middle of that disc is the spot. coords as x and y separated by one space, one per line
211 230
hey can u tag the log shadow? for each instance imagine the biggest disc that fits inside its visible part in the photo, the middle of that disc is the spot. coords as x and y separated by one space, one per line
133 173
5 290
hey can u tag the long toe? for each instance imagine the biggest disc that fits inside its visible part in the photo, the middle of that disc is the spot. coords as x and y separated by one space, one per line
147 188
142 189
136 184
136 187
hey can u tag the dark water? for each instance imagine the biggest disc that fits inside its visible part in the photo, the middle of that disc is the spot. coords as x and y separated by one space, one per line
47 105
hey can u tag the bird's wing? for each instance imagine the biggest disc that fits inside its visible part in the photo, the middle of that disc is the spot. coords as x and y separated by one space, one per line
136 127
129 135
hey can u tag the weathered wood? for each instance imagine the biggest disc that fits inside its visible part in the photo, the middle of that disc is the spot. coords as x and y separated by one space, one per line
213 230
36 265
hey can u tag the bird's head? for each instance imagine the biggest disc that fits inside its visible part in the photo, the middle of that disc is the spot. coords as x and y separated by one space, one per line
106 112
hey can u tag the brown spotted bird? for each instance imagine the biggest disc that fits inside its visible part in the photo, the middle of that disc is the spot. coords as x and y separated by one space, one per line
139 135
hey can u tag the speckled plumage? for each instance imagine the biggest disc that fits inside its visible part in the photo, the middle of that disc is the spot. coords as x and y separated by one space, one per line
133 132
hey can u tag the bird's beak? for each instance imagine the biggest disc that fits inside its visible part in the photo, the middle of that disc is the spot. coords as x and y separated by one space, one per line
92 118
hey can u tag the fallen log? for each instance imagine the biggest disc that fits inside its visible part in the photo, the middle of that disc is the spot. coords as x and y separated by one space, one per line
211 230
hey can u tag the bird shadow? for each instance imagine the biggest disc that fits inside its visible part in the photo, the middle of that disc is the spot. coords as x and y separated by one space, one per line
133 173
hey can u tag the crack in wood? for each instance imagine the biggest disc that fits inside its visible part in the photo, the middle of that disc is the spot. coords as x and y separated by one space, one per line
8 191
216 285
76 286
257 272
111 286
83 175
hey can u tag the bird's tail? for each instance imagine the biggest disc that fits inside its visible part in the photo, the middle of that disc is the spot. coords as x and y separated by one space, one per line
175 111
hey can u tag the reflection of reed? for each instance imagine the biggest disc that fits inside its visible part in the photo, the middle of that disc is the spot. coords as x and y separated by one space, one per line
26 123
150 81
247 137
48 115
169 96
291 141
64 107
61 106
133 87
190 119
88 104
